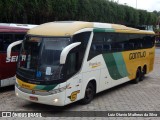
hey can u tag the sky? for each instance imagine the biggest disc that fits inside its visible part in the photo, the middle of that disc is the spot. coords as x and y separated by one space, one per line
149 5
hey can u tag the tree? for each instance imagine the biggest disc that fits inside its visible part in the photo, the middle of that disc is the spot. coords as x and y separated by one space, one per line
41 11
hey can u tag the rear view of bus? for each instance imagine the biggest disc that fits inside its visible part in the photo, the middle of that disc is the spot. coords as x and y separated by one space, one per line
70 61
9 33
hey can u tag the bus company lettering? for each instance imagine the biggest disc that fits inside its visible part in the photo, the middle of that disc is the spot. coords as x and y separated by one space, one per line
25 86
94 65
137 55
15 59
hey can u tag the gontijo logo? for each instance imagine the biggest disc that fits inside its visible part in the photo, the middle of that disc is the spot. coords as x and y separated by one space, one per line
137 55
25 85
95 64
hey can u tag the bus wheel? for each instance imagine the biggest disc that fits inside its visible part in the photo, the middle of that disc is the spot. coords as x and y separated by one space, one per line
89 94
138 76
143 72
142 76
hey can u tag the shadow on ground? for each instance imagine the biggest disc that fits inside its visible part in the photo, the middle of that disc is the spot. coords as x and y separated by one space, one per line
6 89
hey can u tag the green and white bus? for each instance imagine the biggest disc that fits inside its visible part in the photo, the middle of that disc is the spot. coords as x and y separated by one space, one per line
72 60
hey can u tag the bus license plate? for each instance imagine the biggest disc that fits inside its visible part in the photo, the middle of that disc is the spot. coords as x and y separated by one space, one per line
33 98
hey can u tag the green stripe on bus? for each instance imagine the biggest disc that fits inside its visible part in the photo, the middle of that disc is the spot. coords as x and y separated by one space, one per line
45 87
112 66
103 30
120 64
39 87
49 87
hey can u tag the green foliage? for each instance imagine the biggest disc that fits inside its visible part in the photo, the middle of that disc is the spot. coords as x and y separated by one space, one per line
41 11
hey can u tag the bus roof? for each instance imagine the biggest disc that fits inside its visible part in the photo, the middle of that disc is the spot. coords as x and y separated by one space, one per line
12 29
68 28
27 26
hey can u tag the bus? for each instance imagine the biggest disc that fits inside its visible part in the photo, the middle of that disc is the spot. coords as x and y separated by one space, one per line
8 34
67 61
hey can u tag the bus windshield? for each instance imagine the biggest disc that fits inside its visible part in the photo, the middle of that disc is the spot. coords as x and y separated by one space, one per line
42 58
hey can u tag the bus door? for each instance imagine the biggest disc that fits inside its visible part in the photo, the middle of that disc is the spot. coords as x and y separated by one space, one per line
73 91
74 84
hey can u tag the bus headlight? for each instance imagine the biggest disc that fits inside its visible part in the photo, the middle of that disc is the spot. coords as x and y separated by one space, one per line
16 94
55 100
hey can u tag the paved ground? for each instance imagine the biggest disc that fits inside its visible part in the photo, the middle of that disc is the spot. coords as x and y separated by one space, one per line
144 96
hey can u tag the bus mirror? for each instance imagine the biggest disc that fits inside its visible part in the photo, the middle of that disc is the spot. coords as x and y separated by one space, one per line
10 47
66 50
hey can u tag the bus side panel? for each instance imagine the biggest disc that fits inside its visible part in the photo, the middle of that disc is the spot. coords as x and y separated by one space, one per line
8 66
91 71
73 90
108 70
151 57
131 63
87 77
138 58
115 71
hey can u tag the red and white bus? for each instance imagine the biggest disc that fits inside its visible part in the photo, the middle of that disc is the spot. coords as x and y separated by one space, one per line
10 33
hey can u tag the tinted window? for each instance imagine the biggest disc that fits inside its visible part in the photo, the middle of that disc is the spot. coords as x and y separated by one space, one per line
122 37
76 55
97 44
19 37
117 42
16 38
148 41
103 43
1 42
141 41
6 39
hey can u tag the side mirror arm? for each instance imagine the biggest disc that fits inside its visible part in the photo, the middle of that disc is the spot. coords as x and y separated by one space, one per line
66 50
9 49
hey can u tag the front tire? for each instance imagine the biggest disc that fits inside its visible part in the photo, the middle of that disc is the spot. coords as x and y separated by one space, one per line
89 94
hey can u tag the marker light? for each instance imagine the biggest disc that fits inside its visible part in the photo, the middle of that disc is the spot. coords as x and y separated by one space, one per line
55 100
16 94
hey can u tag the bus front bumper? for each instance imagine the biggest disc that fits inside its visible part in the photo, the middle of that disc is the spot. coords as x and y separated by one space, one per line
54 99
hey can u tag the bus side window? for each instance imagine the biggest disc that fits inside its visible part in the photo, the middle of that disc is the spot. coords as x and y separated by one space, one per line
138 44
19 37
75 57
131 46
148 41
97 45
8 39
98 48
121 46
16 38
106 47
72 62
1 43
117 47
153 40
